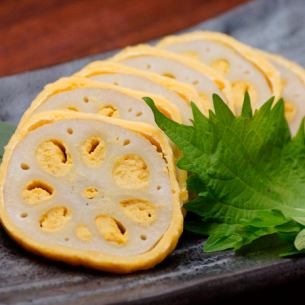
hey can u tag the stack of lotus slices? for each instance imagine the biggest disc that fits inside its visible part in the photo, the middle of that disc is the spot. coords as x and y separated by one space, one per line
89 179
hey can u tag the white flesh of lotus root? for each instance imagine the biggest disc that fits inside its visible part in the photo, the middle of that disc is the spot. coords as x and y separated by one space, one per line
180 94
293 79
206 80
85 209
84 95
246 69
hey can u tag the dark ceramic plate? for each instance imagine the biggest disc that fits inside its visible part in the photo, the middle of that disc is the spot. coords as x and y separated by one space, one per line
188 275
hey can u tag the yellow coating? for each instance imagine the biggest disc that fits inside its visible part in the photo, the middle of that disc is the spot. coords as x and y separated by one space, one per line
97 260
74 82
185 91
260 62
140 50
140 211
130 171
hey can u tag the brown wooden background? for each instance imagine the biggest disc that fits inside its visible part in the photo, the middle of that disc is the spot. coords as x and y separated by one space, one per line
38 33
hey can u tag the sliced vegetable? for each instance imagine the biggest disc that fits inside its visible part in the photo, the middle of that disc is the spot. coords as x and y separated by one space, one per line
91 191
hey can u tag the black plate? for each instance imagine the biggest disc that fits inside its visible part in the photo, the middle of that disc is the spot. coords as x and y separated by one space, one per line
188 274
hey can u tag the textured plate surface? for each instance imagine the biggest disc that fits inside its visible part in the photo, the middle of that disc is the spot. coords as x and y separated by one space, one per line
188 274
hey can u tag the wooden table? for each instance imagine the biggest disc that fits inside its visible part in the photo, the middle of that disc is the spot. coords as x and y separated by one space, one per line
36 33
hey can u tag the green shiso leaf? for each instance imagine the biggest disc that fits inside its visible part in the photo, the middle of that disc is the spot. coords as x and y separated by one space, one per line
6 131
247 173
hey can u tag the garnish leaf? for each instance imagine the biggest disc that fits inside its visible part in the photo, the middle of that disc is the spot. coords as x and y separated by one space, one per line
247 172
246 109
6 131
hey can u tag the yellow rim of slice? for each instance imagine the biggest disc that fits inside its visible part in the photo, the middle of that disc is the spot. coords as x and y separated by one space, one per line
93 259
290 65
69 83
213 75
260 62
185 91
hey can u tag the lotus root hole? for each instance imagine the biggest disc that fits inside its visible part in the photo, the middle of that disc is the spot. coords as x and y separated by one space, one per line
24 166
54 157
111 229
221 65
93 151
141 211
109 110
90 192
54 219
130 171
37 191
